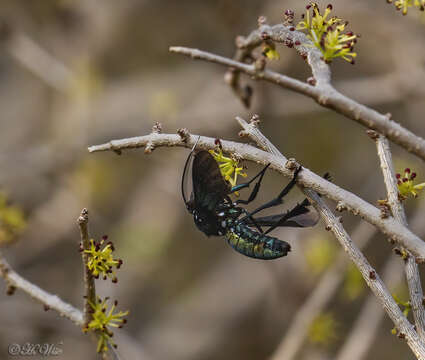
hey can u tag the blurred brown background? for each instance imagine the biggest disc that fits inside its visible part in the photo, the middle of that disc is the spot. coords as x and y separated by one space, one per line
79 73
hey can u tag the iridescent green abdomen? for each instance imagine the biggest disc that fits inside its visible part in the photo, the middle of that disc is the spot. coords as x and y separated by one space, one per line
254 244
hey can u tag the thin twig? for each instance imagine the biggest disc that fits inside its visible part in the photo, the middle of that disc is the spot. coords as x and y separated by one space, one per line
89 284
397 209
49 301
365 329
324 94
385 158
363 332
369 274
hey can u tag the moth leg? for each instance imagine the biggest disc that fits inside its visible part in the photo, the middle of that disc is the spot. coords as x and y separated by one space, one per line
278 200
248 215
295 210
254 191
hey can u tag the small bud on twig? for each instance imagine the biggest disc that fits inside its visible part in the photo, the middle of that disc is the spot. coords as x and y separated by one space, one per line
255 120
291 164
372 134
262 20
157 128
184 134
340 206
312 81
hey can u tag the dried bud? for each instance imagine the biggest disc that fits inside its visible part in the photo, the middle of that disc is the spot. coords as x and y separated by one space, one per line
291 164
262 20
184 134
312 81
157 128
372 134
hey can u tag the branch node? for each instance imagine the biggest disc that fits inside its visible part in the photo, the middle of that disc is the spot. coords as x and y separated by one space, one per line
149 148
114 148
84 217
374 135
291 164
262 20
397 251
323 100
385 209
243 133
157 128
288 17
311 81
255 120
265 35
184 134
340 206
402 253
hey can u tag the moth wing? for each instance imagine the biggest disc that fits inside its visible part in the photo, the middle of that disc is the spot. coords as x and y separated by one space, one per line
209 187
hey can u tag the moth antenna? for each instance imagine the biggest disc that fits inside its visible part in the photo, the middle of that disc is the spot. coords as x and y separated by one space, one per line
185 170
196 143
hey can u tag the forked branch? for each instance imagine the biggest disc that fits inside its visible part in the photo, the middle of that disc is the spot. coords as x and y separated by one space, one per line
322 92
346 200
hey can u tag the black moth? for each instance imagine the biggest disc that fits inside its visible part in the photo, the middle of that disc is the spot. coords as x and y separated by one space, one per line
216 214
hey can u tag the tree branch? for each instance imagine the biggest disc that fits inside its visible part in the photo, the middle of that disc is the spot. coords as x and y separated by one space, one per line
89 283
369 274
364 330
49 301
323 93
371 277
346 200
366 326
411 267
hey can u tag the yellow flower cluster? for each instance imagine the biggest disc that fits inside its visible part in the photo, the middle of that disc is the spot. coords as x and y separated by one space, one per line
327 34
101 319
405 184
270 52
404 5
229 167
12 221
101 261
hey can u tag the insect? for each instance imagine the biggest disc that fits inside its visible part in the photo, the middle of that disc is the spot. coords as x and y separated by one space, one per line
215 214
